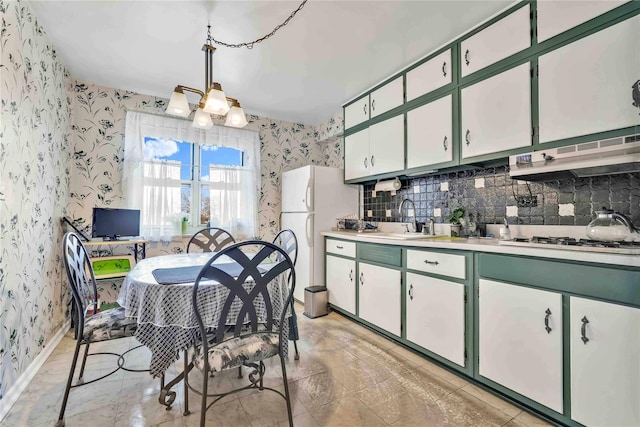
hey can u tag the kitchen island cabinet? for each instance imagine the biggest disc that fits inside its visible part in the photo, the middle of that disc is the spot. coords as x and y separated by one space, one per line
605 366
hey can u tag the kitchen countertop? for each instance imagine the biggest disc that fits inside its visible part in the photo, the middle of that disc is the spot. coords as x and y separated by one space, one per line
493 246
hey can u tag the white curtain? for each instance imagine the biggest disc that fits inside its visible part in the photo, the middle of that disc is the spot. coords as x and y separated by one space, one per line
232 192
140 176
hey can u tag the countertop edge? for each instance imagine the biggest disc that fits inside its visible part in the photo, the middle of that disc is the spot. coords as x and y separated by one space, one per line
492 246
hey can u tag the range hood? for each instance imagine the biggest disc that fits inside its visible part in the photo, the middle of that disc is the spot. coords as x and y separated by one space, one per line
597 158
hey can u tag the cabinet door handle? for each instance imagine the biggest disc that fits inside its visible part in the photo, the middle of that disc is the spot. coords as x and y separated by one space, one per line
444 69
583 330
466 57
339 247
373 105
444 143
366 164
361 278
351 275
467 137
411 292
426 261
364 109
373 163
546 321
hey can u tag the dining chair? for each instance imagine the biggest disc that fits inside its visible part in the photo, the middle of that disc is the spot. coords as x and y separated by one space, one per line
210 239
252 319
288 241
92 325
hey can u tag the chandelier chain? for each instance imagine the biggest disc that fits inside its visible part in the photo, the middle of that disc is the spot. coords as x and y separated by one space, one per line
249 45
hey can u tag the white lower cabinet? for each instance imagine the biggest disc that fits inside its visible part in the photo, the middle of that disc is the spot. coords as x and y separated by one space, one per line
605 363
379 297
520 340
341 279
435 316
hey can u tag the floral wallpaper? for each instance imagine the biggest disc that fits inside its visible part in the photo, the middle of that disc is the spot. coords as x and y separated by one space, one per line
35 140
61 155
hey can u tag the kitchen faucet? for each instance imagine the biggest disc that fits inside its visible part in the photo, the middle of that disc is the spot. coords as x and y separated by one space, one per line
414 225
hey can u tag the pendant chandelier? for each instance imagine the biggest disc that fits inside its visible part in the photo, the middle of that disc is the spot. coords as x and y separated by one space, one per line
213 100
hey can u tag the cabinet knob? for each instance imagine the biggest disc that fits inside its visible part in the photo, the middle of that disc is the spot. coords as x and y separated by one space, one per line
444 69
467 137
339 247
373 105
351 275
373 161
444 144
361 278
426 261
466 57
366 165
411 292
546 321
364 109
583 330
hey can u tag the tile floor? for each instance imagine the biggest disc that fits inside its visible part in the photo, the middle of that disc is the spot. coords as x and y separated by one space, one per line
346 376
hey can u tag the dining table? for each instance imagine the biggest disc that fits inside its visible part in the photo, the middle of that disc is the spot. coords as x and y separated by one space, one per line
157 292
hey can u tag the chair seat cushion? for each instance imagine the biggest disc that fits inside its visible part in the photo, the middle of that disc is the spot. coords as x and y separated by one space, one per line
109 325
238 351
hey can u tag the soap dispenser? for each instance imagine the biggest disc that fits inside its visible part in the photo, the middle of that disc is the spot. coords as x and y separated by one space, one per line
505 233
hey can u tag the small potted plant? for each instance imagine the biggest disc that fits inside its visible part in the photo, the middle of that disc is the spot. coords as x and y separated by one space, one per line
454 219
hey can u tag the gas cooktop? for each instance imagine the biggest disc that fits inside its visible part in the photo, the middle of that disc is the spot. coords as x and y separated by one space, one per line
569 243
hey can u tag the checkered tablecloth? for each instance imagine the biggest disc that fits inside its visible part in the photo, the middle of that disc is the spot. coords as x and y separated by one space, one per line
166 321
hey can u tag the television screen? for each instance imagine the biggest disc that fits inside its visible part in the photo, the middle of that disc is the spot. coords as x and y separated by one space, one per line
113 223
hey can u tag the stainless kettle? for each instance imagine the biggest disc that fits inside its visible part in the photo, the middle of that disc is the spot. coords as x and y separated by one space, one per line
610 226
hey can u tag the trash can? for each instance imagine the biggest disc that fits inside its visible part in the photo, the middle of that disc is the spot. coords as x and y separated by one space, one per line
315 301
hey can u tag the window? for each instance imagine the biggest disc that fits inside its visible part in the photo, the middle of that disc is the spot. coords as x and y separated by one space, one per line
173 171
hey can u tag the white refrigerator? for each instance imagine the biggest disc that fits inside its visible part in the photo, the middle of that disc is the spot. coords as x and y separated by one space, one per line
312 198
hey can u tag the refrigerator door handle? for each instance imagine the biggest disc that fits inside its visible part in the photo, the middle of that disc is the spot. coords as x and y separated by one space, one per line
309 231
307 196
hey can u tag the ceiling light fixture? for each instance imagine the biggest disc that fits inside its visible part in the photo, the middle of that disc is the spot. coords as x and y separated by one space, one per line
213 100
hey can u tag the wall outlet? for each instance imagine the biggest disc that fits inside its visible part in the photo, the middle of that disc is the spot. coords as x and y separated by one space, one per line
526 201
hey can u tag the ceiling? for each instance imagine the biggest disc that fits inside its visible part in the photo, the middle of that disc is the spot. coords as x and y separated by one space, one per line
329 53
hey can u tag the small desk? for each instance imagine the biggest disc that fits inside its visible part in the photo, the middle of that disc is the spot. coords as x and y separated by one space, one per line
166 324
134 242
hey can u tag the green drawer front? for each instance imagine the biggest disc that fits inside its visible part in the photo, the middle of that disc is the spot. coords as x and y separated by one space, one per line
609 283
384 254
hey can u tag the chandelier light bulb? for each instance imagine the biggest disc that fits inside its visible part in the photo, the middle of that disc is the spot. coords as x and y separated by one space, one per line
236 117
216 102
178 104
201 119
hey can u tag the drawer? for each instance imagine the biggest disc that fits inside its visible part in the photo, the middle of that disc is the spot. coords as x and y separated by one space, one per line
437 263
340 247
384 254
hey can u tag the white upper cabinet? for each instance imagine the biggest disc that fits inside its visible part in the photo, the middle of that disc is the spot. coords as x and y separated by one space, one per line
356 113
586 87
504 38
356 155
429 134
429 76
387 97
496 113
386 146
558 16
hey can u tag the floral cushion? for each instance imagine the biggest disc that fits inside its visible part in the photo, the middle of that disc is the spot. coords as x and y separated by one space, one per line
109 325
238 351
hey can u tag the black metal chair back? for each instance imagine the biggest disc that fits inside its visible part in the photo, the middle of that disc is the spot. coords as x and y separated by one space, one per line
288 241
83 287
211 239
239 313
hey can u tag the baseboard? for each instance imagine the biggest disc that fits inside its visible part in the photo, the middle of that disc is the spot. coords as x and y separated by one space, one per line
16 390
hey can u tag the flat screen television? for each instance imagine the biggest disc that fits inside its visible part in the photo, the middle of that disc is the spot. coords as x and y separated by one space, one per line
112 224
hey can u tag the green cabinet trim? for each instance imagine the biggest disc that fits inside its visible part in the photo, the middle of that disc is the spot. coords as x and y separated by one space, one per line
530 54
606 283
389 255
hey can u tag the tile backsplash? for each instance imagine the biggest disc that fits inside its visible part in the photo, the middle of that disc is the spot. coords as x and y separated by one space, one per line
491 195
